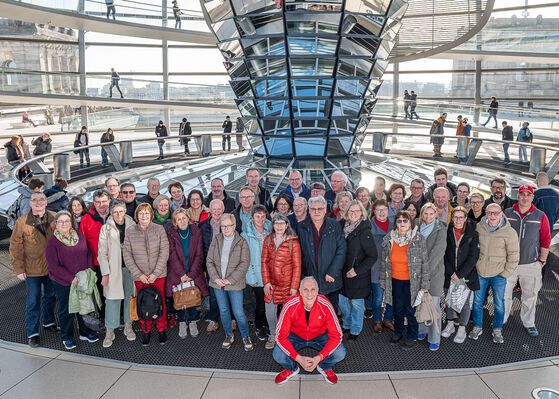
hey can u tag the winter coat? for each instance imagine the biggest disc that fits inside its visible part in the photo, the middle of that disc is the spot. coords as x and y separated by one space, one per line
499 251
109 256
437 128
107 138
331 254
77 142
436 246
24 205
305 192
417 265
42 147
546 199
66 261
146 252
254 272
239 261
176 265
378 236
228 202
90 226
462 260
361 255
281 267
507 202
161 131
57 199
12 153
227 126
507 133
27 246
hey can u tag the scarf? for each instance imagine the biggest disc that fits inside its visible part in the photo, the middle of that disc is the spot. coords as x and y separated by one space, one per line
426 229
348 228
405 240
492 229
162 219
70 241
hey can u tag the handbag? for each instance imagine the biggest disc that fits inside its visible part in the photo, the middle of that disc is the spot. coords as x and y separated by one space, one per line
93 320
133 313
187 295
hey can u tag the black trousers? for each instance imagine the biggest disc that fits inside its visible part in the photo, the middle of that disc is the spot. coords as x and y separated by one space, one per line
333 298
257 306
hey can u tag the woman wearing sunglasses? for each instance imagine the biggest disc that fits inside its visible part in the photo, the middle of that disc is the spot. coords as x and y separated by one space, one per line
404 270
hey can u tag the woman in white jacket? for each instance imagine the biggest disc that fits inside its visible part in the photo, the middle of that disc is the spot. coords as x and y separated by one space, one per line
117 281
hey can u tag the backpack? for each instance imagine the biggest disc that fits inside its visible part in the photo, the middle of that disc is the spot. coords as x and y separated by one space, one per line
13 212
149 303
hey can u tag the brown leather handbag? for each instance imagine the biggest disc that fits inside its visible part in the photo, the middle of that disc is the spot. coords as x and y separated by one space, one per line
134 308
187 295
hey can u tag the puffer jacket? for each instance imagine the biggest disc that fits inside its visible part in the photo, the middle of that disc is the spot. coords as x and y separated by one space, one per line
361 255
436 246
27 246
417 265
57 199
281 267
146 252
176 265
109 256
254 272
237 266
462 260
499 251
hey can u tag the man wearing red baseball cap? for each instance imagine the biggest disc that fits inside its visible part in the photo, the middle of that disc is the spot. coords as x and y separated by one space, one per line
534 238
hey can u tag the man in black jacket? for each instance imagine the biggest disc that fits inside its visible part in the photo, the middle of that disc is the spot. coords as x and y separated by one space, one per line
128 194
153 191
441 180
492 112
161 131
43 144
218 192
498 195
263 196
227 128
508 135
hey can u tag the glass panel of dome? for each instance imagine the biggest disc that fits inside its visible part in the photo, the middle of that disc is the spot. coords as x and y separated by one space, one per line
252 126
225 29
384 50
378 69
254 6
267 67
310 146
231 49
368 105
358 141
358 46
312 126
268 24
354 67
312 6
346 108
241 88
344 126
320 108
350 87
246 107
312 45
276 127
279 146
218 9
270 88
397 9
374 86
339 145
263 47
236 69
312 87
257 144
367 24
367 7
268 108
305 23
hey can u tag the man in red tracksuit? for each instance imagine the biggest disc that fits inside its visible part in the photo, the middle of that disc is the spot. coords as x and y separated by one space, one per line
308 320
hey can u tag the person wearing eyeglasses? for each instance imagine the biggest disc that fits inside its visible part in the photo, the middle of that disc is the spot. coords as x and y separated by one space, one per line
176 191
442 204
323 248
342 200
404 270
27 254
477 211
499 253
434 232
338 182
153 187
128 193
296 187
227 263
283 205
461 197
498 194
300 212
146 251
417 189
361 255
243 213
117 282
363 195
396 195
196 211
67 254
112 185
460 258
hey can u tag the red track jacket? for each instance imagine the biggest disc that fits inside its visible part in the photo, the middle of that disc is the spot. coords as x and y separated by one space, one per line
293 320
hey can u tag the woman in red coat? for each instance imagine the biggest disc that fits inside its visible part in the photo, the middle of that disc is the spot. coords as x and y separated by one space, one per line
281 270
186 255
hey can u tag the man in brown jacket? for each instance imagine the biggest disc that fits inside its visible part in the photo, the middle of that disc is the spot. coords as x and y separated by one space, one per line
499 253
27 251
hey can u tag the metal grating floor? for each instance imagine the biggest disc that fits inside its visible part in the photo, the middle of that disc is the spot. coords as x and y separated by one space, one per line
370 353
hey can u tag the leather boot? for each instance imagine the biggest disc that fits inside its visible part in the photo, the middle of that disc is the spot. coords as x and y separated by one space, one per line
377 327
388 324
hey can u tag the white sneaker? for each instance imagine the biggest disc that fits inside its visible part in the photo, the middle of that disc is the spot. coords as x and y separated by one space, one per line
109 338
193 329
460 335
129 332
183 330
449 329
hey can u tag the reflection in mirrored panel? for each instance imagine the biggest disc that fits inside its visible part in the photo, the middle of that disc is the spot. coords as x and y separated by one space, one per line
339 145
359 46
312 45
343 126
270 88
263 47
273 108
310 126
274 127
354 67
225 29
246 107
241 88
265 24
311 23
254 6
230 49
320 108
374 7
252 126
348 108
309 146
218 9
311 87
267 67
236 69
363 24
314 7
279 147
350 87
312 66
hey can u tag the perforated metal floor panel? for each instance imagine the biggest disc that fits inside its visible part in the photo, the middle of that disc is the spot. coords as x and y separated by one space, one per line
370 353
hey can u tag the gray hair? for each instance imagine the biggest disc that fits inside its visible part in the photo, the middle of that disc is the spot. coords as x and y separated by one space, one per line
478 195
39 193
492 205
341 174
217 201
111 177
303 199
100 193
441 188
116 203
154 179
159 198
318 198
308 278
339 197
278 216
63 212
542 178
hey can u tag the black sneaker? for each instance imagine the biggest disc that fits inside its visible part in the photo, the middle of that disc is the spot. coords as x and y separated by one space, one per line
162 337
34 341
352 337
261 334
145 338
409 344
368 314
395 339
51 328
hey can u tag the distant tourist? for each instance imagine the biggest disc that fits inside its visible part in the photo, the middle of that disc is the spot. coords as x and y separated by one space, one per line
161 131
524 136
185 130
110 8
43 144
407 104
507 136
492 112
82 140
177 14
26 119
239 129
413 104
437 128
115 78
107 137
227 127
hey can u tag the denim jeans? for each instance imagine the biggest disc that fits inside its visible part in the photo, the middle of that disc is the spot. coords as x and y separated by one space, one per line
112 306
374 302
522 154
232 300
104 157
403 307
506 151
40 297
317 343
193 314
65 319
160 144
489 118
498 284
84 153
353 311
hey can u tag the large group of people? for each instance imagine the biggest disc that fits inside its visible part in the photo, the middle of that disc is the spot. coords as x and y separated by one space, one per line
306 269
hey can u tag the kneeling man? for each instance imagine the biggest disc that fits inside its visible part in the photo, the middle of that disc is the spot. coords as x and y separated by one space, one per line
308 320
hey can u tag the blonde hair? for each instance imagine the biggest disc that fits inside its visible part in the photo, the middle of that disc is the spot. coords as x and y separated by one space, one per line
424 207
361 207
228 216
176 213
340 195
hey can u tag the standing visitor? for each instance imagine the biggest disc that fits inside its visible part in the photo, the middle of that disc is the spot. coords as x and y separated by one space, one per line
185 130
177 14
110 8
227 127
82 140
492 112
524 136
407 104
161 131
115 79
507 135
107 137
239 129
413 104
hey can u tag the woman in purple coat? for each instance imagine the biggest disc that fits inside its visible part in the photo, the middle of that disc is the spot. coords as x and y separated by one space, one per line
186 255
68 254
